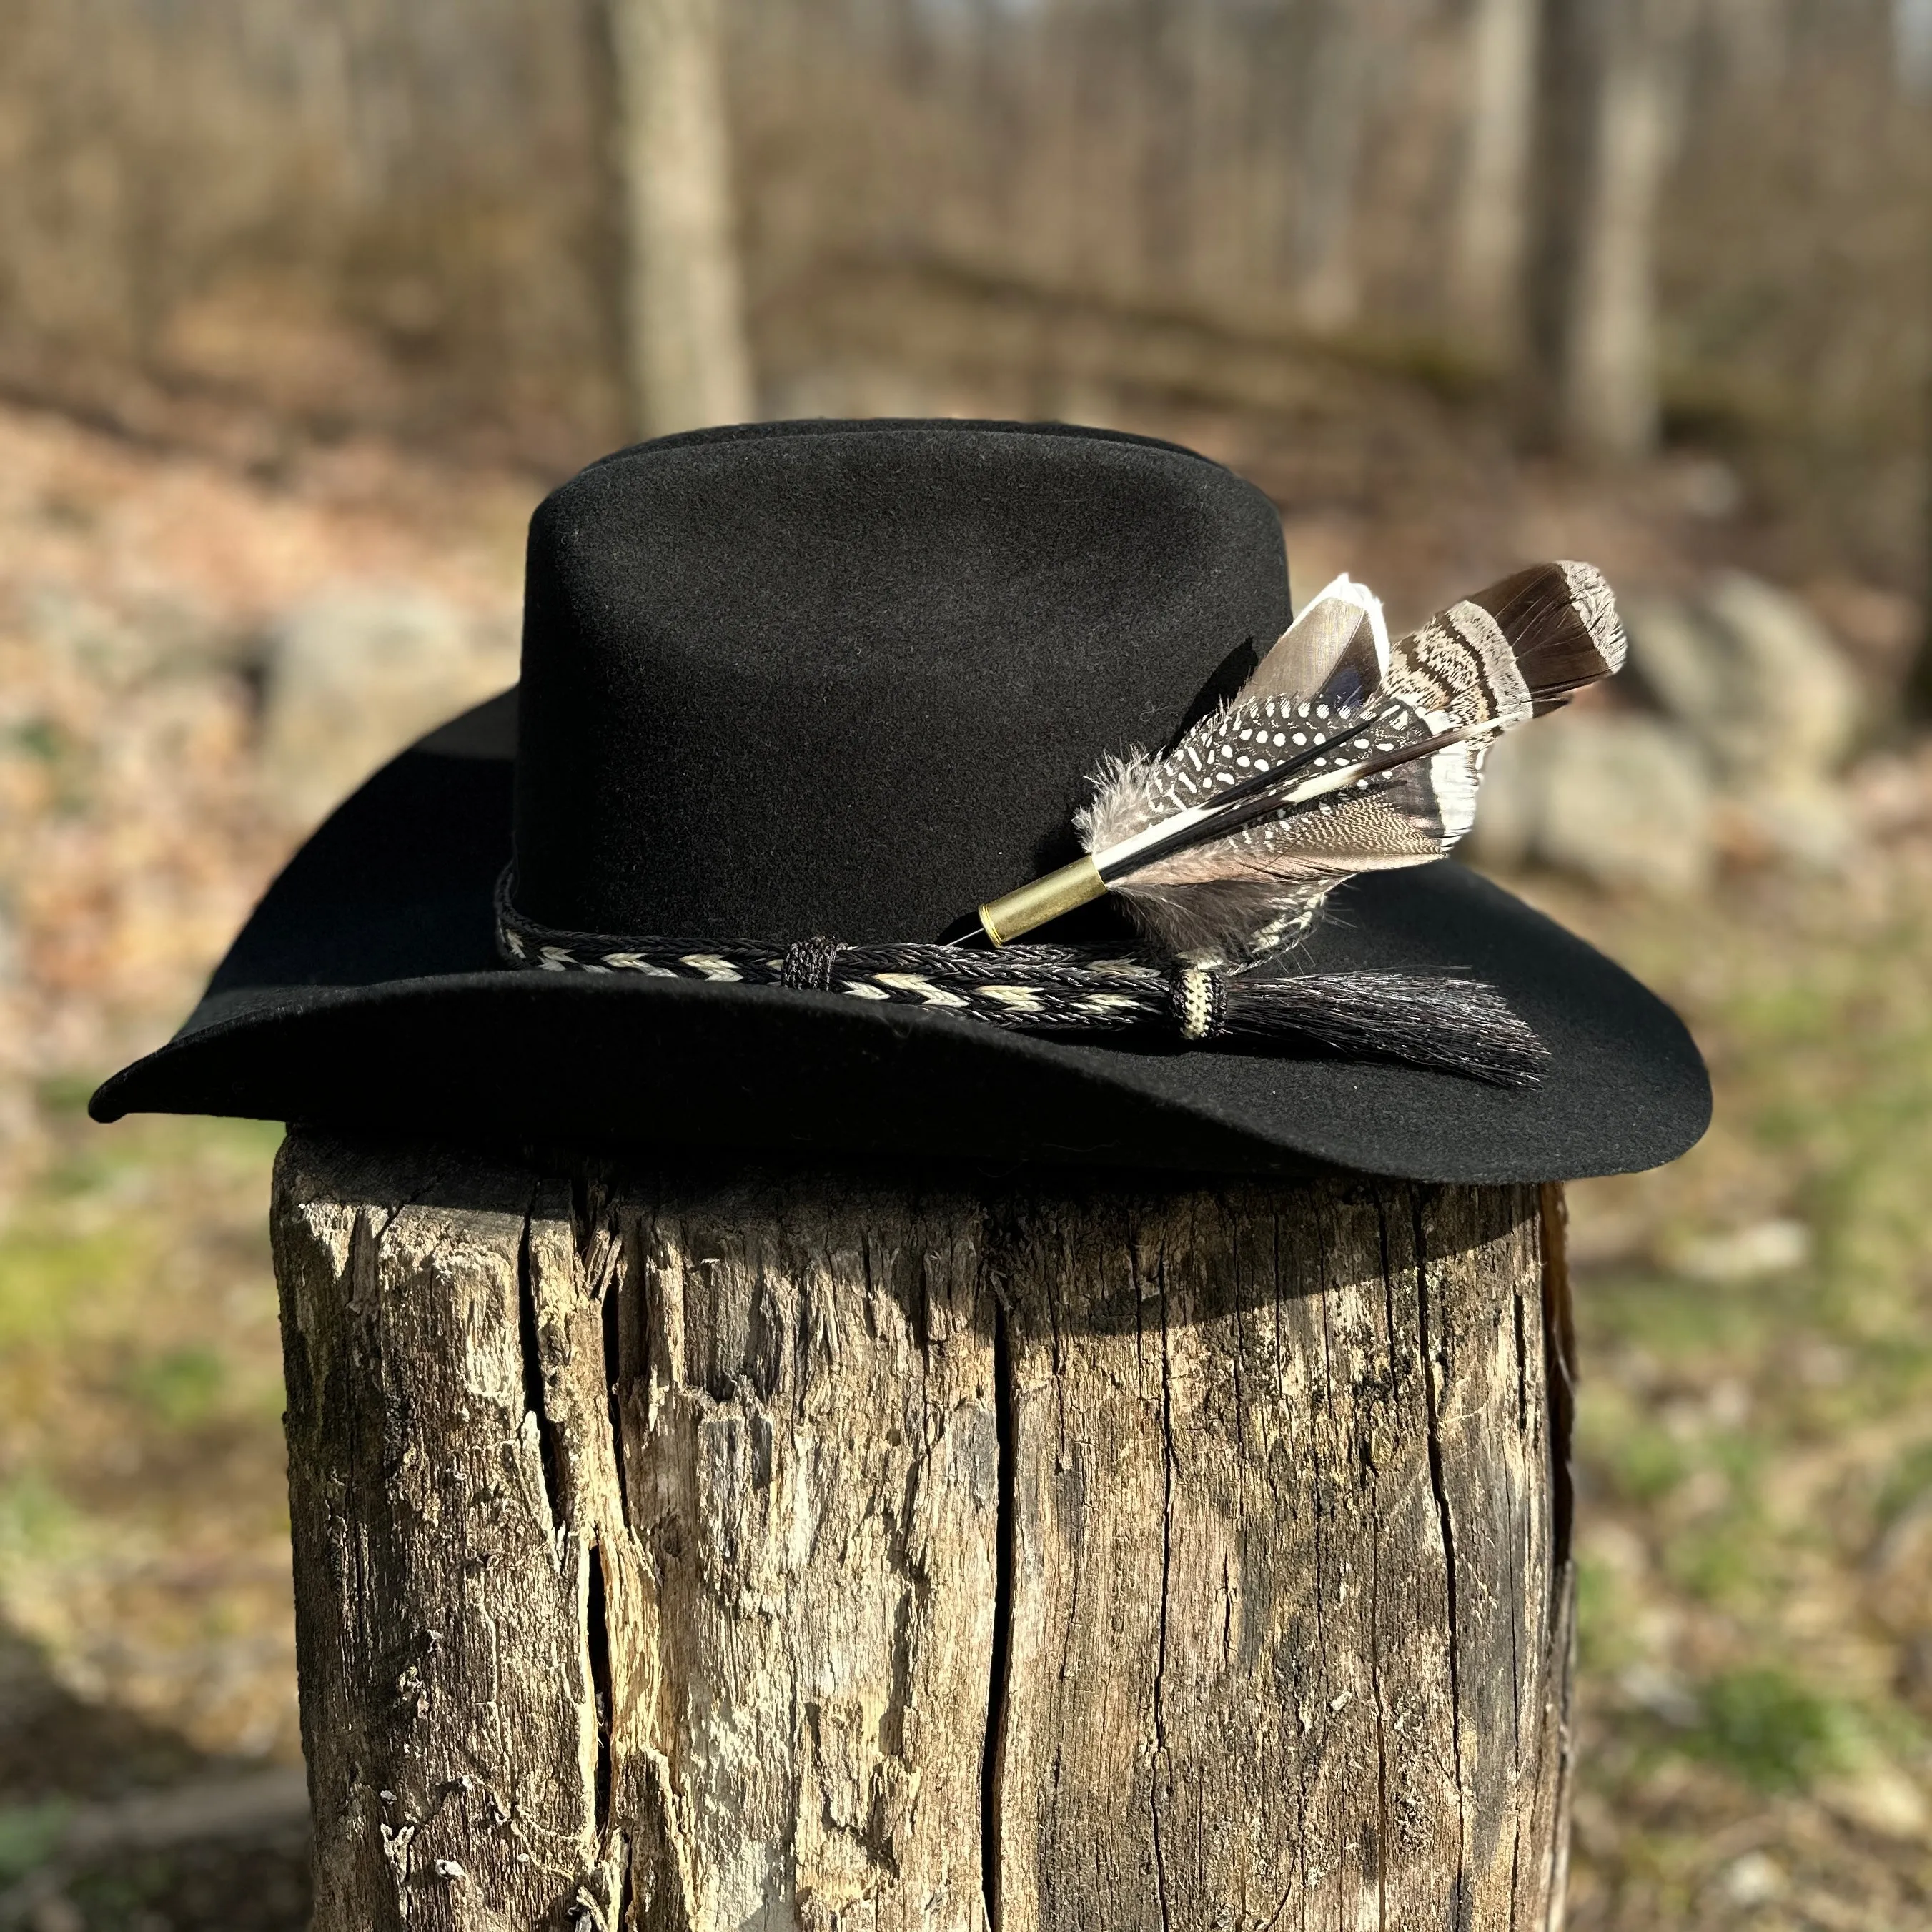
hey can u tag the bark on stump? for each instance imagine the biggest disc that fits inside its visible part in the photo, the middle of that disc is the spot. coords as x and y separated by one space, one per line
693 1548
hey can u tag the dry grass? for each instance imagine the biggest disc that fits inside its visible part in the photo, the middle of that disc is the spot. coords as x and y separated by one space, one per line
1756 1426
1756 1442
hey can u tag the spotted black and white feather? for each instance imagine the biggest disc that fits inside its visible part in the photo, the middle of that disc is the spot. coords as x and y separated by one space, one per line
1341 754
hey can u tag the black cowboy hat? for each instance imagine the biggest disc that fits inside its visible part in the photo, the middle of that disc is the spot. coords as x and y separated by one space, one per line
848 679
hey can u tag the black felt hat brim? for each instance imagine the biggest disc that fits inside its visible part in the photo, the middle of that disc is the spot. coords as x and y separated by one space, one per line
365 992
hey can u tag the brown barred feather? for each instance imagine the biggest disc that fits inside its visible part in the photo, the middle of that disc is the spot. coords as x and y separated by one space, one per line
1561 620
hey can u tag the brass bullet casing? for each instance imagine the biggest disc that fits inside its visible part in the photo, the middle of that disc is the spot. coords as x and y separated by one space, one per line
1006 917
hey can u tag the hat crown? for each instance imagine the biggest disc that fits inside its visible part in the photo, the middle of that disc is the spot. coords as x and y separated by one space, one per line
849 678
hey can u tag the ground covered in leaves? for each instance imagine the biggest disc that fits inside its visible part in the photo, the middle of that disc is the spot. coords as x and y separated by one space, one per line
1755 1426
1756 1419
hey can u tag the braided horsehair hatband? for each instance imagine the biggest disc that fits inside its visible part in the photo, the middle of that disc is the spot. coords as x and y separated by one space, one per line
1443 1023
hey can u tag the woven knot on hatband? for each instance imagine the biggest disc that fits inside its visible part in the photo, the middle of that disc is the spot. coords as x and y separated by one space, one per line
1199 1002
807 964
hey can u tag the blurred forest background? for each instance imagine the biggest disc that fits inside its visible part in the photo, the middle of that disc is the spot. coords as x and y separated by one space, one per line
304 303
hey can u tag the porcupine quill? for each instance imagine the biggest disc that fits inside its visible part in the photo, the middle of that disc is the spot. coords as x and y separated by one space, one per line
1340 755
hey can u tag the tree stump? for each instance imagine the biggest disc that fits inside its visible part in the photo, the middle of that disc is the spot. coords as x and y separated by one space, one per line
699 1547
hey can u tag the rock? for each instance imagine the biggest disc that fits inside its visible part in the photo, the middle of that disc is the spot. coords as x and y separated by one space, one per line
1754 1879
1753 676
1880 1798
1675 659
1750 673
1662 1693
1707 488
355 674
1804 698
1744 1254
1620 800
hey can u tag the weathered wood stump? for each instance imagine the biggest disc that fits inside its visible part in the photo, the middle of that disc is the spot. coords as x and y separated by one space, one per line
700 1547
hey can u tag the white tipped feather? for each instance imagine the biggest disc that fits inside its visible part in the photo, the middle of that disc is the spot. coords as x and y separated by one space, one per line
1597 607
1339 647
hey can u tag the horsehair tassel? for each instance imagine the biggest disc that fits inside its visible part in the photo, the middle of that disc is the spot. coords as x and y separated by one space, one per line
1339 755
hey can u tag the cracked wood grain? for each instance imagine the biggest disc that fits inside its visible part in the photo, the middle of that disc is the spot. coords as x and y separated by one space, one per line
693 1549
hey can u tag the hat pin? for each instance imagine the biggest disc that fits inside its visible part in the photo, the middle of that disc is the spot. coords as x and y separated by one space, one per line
1340 755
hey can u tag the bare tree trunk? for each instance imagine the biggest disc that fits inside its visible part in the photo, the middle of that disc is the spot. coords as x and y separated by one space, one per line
1611 79
689 365
1911 47
1915 696
1491 215
708 1549
1333 114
